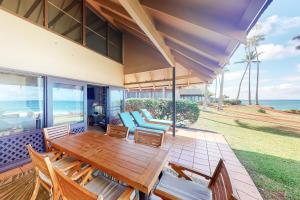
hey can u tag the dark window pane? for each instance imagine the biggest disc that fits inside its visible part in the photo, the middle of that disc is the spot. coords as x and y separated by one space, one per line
115 44
96 42
65 18
31 9
96 32
21 103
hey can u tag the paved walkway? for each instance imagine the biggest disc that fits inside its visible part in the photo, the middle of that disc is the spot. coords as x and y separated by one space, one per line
202 150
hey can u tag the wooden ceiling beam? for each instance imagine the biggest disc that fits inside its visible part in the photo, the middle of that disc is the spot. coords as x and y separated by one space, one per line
193 43
32 8
206 62
160 86
135 10
196 20
190 63
62 13
112 6
159 80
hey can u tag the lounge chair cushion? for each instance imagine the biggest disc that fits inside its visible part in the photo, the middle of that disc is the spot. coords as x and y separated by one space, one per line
127 121
150 130
167 122
149 117
183 189
105 189
147 114
141 122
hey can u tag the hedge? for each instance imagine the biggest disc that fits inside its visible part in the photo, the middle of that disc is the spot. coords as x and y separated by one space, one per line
186 111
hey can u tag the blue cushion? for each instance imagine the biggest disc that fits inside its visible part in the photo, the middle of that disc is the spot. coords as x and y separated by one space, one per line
127 121
147 114
155 126
138 118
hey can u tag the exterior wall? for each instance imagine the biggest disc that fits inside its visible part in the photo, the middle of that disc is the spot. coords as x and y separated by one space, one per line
31 48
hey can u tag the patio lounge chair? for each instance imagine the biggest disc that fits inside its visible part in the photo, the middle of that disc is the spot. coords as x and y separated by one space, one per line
141 122
150 118
182 187
129 123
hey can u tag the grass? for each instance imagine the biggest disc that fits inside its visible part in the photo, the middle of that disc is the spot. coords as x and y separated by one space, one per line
268 144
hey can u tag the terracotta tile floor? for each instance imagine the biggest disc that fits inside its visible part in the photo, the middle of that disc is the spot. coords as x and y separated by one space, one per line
202 150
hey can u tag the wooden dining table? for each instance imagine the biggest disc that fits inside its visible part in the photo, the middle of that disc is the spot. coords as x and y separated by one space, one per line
135 164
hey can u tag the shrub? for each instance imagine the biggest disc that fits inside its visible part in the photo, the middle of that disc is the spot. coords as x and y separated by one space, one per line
232 102
162 109
262 111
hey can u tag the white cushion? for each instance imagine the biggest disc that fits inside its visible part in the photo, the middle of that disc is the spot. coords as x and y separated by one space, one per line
183 189
105 188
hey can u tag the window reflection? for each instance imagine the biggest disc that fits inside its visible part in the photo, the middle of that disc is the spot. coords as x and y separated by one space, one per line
68 104
21 103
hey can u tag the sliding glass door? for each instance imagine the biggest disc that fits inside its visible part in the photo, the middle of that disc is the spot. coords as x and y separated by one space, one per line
66 102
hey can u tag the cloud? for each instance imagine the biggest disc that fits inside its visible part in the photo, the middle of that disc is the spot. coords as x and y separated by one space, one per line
236 75
298 67
277 51
275 25
291 78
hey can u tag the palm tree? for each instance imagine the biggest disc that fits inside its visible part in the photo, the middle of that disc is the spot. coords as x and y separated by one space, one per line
254 42
297 37
248 60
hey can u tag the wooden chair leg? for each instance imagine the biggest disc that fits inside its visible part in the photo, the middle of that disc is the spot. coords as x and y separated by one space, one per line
36 189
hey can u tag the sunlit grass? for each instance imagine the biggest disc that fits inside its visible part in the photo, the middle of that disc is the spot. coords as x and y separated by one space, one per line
269 150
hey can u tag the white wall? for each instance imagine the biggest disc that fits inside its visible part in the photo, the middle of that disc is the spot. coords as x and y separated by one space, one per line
27 47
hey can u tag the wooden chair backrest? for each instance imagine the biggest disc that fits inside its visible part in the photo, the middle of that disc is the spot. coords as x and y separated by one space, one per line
117 131
220 183
55 132
43 164
147 138
71 190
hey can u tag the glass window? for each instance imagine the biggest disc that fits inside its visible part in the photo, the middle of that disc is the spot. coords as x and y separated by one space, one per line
115 44
68 104
96 32
21 103
65 18
116 104
31 9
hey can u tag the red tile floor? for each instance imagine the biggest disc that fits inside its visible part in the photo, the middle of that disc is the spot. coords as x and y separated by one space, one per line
202 150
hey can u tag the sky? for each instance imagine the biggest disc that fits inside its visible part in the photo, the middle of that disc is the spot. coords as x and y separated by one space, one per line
280 66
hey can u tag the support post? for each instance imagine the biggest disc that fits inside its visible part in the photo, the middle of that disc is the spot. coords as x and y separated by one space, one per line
220 104
205 98
174 100
45 13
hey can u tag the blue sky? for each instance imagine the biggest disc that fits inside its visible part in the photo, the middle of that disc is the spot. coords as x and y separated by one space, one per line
280 67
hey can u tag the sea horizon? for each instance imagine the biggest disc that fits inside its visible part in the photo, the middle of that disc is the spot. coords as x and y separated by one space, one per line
278 104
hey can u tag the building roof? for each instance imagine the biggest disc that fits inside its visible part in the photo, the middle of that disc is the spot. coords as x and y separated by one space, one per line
199 36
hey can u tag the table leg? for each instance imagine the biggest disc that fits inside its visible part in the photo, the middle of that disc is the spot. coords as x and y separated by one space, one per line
143 196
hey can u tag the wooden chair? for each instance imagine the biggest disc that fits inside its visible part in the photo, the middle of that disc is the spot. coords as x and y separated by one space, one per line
44 173
55 132
96 189
148 138
117 131
171 187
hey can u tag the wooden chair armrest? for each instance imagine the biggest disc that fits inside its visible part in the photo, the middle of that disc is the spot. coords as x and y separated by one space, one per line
179 168
126 194
71 165
81 173
165 195
56 156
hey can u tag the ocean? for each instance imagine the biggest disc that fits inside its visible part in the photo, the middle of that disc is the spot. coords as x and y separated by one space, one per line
34 106
278 104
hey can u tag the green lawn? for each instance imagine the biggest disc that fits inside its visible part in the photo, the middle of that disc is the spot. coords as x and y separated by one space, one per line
270 151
